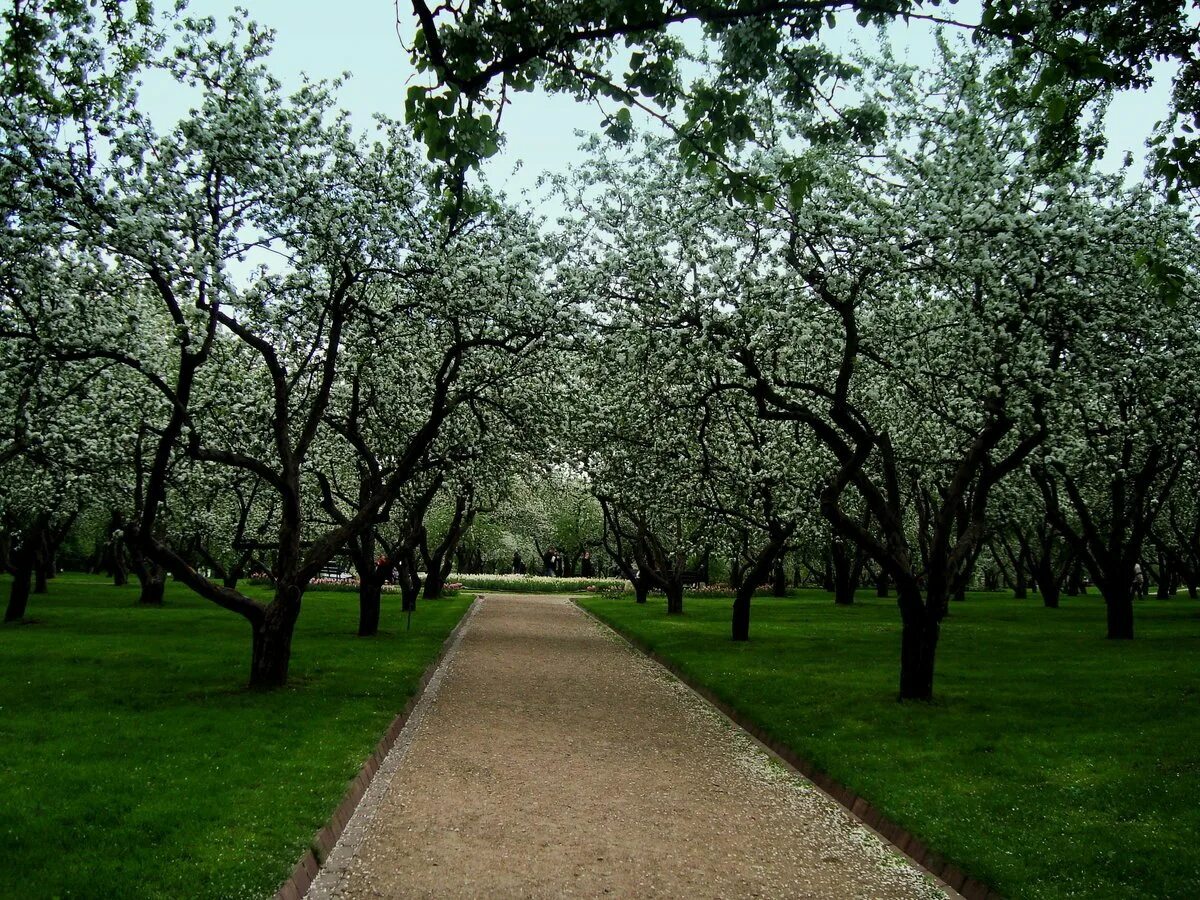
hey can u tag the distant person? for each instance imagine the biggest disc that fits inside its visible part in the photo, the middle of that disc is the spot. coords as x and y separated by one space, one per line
1139 580
518 563
548 562
586 569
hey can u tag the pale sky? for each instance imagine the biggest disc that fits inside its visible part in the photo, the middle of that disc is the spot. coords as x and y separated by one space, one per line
324 39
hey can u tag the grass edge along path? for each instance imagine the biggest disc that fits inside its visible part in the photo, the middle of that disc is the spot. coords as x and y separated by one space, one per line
1052 764
314 858
134 762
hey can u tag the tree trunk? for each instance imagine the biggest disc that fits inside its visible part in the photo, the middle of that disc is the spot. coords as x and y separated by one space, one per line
1075 586
434 582
1192 586
230 580
1020 586
779 580
1049 580
1166 584
273 641
18 592
828 581
991 581
918 648
674 592
39 578
882 586
641 590
410 587
741 612
370 595
845 576
1118 603
153 579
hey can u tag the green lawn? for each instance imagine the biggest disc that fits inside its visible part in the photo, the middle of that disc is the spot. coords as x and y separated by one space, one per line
133 763
1054 763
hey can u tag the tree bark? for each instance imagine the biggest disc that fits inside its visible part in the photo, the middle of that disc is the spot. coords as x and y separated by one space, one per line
882 585
1048 586
1118 604
272 642
409 589
1075 586
846 572
918 649
741 612
153 580
641 590
154 589
18 592
120 574
674 592
779 580
370 601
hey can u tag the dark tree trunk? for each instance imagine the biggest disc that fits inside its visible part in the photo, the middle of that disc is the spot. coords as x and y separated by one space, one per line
846 571
1166 579
1192 585
370 595
120 574
1075 586
779 580
828 581
674 592
991 580
230 580
39 578
641 590
1020 586
434 583
410 587
153 579
153 590
1118 603
18 592
882 586
1048 586
272 649
918 649
741 612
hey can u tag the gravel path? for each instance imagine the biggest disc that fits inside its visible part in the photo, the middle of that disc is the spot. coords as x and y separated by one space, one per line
551 759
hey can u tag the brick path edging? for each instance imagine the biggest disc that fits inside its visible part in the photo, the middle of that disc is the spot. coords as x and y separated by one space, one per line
861 809
322 843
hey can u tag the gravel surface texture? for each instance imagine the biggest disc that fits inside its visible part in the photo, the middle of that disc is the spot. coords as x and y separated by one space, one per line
548 758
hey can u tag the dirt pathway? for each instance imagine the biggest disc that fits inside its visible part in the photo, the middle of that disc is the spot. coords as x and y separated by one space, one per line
550 759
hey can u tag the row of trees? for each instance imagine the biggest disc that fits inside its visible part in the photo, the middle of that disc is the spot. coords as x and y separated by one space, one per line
230 410
259 341
938 344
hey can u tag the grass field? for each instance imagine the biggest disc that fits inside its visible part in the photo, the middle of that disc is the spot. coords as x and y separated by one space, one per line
1053 763
134 763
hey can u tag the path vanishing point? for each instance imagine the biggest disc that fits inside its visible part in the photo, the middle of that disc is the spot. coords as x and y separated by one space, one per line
548 758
